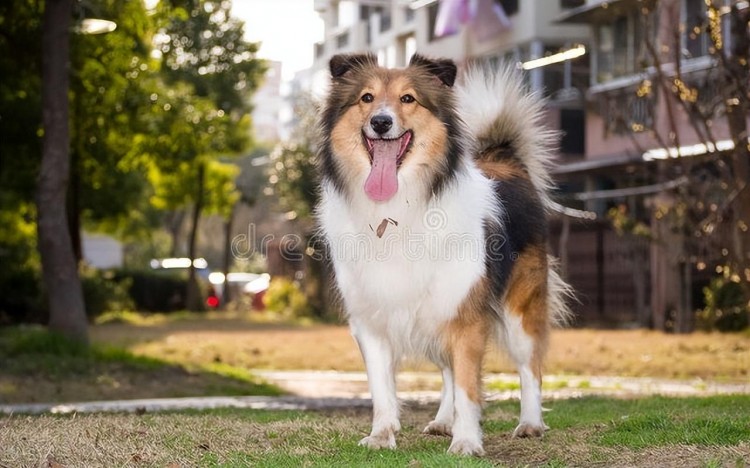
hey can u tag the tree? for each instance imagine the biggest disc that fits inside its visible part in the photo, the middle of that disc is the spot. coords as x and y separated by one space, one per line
206 51
20 150
109 94
701 217
60 270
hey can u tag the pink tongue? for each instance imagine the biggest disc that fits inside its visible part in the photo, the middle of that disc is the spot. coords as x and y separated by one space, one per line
382 183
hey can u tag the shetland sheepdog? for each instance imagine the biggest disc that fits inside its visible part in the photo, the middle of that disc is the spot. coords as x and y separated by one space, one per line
433 201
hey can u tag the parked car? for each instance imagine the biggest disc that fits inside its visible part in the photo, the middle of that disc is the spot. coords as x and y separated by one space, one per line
253 284
179 267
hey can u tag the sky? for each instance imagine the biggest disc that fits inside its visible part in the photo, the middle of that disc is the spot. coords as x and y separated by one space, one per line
287 30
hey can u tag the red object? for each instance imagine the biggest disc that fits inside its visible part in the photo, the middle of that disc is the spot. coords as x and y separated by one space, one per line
212 302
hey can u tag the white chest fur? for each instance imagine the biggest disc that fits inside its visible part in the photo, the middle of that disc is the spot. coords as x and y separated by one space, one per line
405 266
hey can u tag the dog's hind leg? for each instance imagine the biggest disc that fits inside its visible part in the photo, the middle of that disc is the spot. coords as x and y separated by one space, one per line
524 349
381 376
443 421
468 339
525 332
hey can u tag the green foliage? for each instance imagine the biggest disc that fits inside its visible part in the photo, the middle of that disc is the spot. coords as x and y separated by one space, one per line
284 297
292 176
155 291
727 306
206 49
103 293
20 275
20 98
624 223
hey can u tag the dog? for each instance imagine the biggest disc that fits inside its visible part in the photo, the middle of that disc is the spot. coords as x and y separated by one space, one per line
433 204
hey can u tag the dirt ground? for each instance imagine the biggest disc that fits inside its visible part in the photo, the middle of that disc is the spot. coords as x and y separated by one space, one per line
632 353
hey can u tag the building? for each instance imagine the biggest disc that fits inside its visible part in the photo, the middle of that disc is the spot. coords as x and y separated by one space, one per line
660 141
626 109
268 106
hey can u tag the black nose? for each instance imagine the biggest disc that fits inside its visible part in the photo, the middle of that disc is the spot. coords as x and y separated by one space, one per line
381 123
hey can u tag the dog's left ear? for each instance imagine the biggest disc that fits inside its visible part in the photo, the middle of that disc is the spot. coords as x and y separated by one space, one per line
342 63
444 69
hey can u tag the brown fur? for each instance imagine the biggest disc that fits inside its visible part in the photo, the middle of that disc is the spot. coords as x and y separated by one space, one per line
527 297
466 339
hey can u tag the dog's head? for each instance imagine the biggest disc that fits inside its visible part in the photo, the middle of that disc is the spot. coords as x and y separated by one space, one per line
389 124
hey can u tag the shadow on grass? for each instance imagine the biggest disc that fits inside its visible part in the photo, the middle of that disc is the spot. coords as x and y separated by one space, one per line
39 366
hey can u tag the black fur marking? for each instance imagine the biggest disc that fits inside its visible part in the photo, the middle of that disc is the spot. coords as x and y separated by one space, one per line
444 69
342 63
524 224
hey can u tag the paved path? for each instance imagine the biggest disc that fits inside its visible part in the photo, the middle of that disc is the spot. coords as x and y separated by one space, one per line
334 390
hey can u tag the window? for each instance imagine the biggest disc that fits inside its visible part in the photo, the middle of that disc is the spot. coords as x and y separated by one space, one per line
385 20
408 14
625 112
432 12
571 3
695 40
621 46
342 40
573 126
510 6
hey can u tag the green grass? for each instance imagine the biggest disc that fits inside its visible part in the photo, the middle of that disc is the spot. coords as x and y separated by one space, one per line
35 350
64 370
711 431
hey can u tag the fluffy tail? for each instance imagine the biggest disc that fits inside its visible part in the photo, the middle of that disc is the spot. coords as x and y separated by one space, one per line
559 295
500 111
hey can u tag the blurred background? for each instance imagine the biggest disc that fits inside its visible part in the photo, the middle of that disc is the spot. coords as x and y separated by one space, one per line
158 156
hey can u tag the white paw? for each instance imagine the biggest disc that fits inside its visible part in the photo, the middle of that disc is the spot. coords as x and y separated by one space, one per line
385 439
438 428
466 447
530 430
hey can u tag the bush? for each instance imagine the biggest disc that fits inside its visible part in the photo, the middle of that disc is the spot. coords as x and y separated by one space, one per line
285 298
727 307
155 291
21 297
104 292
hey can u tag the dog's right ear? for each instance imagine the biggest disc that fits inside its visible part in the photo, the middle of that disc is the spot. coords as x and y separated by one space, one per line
343 63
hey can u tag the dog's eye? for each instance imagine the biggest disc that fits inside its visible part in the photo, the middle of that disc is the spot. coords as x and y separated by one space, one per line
407 99
367 97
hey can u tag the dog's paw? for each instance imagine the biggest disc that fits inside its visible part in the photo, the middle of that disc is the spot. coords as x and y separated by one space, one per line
466 447
530 430
379 441
438 428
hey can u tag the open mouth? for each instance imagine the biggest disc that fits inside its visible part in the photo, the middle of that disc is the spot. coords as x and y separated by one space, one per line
391 148
385 158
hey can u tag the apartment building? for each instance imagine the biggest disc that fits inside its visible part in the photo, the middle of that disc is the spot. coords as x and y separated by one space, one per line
495 30
662 123
617 107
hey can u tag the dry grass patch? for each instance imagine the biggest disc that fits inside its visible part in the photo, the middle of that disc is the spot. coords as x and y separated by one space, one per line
242 343
329 438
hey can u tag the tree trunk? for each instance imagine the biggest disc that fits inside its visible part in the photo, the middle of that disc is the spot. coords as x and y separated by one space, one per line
737 112
174 225
228 223
67 311
194 297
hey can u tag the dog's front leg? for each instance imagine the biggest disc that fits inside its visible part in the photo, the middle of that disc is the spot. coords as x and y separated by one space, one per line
381 375
466 352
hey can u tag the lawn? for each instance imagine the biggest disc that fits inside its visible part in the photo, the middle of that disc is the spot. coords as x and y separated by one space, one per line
650 432
215 354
